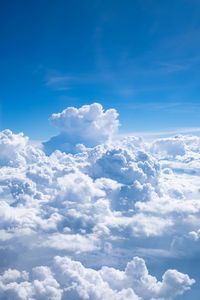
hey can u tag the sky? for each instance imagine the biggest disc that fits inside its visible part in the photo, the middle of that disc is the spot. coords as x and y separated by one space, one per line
141 57
99 150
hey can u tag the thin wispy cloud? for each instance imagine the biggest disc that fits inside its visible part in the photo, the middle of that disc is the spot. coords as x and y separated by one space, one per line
167 107
195 130
60 83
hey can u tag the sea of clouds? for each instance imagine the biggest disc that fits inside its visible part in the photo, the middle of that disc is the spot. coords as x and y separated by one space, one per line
79 213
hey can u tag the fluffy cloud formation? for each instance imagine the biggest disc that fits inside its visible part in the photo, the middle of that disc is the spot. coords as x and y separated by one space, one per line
88 126
10 147
68 279
96 209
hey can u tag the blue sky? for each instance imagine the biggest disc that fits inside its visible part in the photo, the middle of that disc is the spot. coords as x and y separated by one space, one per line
109 200
140 57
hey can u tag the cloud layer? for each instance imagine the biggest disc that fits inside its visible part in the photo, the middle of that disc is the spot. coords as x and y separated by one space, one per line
73 225
68 279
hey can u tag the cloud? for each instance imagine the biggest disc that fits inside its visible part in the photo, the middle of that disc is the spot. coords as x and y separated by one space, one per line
169 146
10 147
72 242
60 83
95 210
16 285
195 235
69 279
88 125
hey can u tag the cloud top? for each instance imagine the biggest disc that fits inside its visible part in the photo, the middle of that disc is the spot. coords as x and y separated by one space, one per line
69 279
89 125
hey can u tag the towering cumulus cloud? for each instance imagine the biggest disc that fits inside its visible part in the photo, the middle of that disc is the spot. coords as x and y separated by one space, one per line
89 226
88 125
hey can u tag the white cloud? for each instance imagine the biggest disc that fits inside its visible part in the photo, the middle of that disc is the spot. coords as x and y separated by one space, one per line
97 207
68 279
195 235
10 148
71 242
88 125
169 146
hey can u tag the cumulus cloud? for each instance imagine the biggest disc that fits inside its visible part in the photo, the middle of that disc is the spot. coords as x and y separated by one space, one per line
169 146
10 147
88 126
95 210
68 279
195 235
